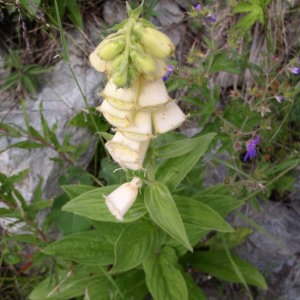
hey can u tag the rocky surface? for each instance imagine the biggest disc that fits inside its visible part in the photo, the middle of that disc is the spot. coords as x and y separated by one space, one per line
61 100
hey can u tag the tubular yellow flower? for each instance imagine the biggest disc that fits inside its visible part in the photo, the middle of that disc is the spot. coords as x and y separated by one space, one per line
141 128
122 198
167 118
115 116
152 94
127 153
123 94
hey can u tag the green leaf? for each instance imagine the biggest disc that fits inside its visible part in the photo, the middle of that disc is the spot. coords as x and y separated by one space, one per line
132 284
163 211
67 222
75 190
233 239
196 213
217 263
88 247
218 200
163 276
172 171
9 130
74 12
68 286
135 244
195 293
221 62
92 205
181 147
255 10
27 145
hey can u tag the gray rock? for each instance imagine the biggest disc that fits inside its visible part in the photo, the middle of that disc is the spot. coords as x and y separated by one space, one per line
169 13
277 255
61 99
114 12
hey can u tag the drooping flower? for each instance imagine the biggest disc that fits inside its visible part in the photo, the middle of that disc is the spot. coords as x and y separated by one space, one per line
251 148
122 198
279 98
294 70
169 72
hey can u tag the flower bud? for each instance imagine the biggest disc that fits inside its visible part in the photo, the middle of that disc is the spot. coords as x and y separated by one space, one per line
144 63
122 198
140 129
120 77
156 43
111 48
152 94
127 153
98 64
114 116
160 70
167 118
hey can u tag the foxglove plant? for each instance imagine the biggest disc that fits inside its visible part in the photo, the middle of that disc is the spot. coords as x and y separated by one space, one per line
136 101
163 210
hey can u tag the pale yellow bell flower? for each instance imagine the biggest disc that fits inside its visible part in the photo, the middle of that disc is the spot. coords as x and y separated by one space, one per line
167 118
116 117
152 94
122 198
140 129
127 153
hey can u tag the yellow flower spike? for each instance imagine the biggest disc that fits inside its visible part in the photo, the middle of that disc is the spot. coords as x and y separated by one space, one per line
167 118
141 128
122 198
152 94
114 116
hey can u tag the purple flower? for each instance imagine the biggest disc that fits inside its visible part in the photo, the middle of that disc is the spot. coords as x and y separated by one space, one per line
197 7
251 148
212 17
169 72
294 70
279 98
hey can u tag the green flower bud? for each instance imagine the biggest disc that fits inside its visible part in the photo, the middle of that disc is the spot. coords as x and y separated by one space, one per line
120 77
111 49
144 63
156 43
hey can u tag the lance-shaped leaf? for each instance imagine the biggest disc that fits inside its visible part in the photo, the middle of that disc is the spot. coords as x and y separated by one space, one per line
91 204
88 247
172 171
66 285
196 213
162 209
163 276
217 263
135 244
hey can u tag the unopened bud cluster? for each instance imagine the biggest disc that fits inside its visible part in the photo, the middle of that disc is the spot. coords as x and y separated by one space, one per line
136 101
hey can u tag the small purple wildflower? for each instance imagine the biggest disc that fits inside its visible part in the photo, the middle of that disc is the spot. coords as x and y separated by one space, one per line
197 7
212 18
279 98
169 72
251 148
294 70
